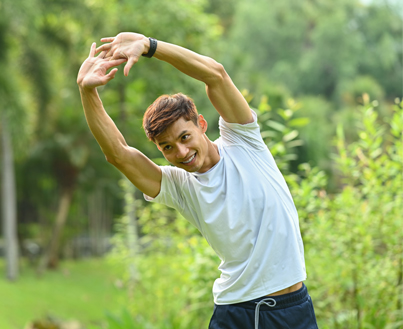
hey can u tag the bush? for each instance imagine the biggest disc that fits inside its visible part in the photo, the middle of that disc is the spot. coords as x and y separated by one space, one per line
353 239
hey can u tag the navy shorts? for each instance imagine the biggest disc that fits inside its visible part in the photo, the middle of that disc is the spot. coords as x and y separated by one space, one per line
289 311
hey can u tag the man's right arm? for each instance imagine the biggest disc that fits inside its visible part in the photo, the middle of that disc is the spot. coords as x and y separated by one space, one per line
140 170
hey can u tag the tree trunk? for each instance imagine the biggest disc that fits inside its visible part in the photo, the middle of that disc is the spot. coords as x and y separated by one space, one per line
99 215
130 213
9 204
132 236
51 257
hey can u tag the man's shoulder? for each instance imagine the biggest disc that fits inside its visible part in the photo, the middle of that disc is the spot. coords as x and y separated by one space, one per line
235 125
247 135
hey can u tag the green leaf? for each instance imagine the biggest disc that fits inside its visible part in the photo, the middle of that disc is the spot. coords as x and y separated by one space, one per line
285 114
298 122
340 132
264 117
376 153
268 133
290 157
290 136
298 142
276 125
264 105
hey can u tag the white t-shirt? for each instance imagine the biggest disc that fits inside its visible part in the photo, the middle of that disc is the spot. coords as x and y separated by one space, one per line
244 209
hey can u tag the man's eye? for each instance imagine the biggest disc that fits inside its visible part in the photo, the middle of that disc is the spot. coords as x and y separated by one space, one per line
167 148
184 137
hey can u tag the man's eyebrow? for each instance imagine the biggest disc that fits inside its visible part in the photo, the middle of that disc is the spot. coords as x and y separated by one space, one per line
179 136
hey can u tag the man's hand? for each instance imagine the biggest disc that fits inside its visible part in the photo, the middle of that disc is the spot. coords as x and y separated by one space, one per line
129 46
93 71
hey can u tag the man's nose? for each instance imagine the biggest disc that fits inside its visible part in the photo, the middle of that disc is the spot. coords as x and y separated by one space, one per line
182 151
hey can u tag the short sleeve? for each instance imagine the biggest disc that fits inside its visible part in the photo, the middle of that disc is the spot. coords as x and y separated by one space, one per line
176 192
172 184
242 134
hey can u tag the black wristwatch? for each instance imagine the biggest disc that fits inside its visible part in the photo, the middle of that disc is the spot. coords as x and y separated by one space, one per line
153 48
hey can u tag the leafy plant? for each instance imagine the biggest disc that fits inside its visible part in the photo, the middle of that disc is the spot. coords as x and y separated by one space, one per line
354 238
279 130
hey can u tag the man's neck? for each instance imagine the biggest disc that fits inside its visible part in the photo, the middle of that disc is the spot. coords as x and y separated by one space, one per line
213 156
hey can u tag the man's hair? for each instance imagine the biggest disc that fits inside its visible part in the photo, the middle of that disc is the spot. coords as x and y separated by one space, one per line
165 110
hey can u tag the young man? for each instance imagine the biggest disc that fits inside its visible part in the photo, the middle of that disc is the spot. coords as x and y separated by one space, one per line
230 189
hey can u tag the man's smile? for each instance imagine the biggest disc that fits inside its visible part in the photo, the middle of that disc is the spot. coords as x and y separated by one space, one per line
190 159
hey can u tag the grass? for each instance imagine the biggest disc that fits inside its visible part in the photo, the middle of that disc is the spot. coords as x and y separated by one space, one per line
81 290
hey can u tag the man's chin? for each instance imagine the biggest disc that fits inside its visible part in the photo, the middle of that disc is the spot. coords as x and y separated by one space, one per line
186 168
190 169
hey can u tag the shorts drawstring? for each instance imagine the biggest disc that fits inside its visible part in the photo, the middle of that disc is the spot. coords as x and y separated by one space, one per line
266 302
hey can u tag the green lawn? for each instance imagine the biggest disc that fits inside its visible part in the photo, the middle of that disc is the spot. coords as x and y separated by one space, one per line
81 290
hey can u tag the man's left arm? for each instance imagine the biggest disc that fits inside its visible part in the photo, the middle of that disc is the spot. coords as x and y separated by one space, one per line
222 92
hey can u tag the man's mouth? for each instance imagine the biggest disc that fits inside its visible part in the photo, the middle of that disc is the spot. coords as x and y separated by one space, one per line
190 160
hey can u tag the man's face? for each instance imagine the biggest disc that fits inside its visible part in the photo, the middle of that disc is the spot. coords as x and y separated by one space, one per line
185 145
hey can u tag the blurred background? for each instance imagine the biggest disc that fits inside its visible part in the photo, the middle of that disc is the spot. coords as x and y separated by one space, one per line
80 248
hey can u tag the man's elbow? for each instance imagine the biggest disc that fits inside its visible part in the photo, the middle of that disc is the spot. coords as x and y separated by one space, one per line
218 73
118 154
122 156
110 159
115 160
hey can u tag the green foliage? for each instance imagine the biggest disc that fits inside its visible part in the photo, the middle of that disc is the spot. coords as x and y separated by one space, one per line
14 91
314 47
124 320
280 131
317 135
351 91
353 239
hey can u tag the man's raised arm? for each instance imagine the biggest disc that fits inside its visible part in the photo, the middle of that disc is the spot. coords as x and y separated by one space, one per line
222 92
141 171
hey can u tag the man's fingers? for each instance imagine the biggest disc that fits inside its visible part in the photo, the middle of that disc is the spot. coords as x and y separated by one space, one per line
108 39
115 62
102 54
111 74
130 63
105 47
110 54
92 50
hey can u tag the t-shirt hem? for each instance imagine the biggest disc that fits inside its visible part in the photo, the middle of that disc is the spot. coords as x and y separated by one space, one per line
262 293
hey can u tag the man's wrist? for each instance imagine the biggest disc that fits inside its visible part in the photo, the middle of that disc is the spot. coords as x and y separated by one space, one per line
84 89
146 42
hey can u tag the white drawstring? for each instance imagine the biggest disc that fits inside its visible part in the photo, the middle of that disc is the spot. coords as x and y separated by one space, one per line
266 302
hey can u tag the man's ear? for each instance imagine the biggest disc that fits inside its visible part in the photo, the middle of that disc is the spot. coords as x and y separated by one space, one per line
202 123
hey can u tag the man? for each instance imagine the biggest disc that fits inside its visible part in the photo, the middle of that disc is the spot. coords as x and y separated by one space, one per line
230 189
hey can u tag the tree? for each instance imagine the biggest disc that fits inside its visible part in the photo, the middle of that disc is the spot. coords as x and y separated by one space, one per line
315 47
9 203
15 128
